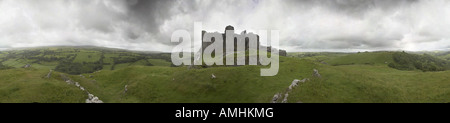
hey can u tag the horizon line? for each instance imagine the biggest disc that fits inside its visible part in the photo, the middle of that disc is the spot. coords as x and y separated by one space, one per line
305 50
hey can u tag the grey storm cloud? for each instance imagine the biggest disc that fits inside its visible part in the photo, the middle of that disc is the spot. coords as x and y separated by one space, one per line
304 25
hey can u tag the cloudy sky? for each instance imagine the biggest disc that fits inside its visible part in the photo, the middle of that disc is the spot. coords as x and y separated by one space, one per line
304 25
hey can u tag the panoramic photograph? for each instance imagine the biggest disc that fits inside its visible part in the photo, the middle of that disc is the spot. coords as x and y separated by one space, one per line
224 51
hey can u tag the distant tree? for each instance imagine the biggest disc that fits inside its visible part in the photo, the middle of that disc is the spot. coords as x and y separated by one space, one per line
2 67
425 62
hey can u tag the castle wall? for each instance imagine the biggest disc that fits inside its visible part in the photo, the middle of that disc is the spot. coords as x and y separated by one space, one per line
244 40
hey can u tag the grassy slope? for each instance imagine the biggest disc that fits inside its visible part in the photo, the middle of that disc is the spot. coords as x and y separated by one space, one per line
27 85
369 58
346 83
366 83
178 84
364 77
316 56
83 54
159 62
87 56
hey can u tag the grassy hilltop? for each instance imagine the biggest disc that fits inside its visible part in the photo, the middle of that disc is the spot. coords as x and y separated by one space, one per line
367 77
345 77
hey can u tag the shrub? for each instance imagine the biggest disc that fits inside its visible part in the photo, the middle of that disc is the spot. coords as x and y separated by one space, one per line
405 61
2 67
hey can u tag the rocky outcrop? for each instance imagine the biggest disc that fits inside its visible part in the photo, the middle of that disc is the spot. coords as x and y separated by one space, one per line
304 80
49 74
276 97
316 73
27 66
213 76
70 82
126 89
294 84
285 98
91 98
77 84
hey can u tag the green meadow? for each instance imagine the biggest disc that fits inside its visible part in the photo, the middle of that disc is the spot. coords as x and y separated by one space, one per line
364 77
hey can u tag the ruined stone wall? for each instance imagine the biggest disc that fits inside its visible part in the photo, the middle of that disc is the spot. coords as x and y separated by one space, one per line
246 41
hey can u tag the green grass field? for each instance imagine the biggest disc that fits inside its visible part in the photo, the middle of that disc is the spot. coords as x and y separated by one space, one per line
367 58
87 56
159 62
28 85
345 77
374 84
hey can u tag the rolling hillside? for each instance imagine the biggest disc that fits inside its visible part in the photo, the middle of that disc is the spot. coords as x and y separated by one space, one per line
359 77
365 58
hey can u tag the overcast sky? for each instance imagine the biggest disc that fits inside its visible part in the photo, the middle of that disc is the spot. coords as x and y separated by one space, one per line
315 25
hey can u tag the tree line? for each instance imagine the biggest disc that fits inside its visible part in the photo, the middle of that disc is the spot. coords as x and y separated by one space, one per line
425 62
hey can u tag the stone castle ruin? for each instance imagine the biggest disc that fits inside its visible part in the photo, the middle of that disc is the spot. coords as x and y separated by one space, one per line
244 39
